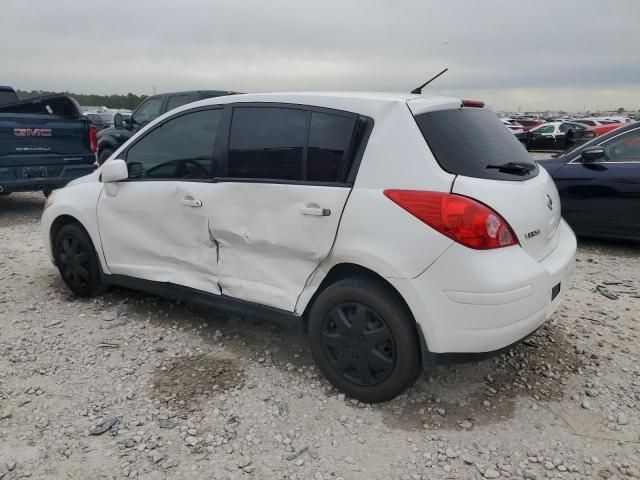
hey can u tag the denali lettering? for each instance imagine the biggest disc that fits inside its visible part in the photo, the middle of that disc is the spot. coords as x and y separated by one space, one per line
32 132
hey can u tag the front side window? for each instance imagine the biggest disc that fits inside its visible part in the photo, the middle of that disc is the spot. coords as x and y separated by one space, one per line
148 111
625 148
176 101
181 148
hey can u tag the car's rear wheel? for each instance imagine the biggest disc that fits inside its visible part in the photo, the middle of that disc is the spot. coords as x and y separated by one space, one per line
77 261
364 339
104 155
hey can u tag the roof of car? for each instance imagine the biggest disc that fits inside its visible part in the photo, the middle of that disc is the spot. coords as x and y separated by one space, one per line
366 103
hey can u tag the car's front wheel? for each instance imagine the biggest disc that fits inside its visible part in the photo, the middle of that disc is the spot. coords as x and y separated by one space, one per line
364 339
77 261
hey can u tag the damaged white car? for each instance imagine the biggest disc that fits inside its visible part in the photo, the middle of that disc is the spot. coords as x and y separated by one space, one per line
399 230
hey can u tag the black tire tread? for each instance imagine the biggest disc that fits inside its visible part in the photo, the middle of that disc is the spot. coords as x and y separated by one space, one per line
96 285
400 380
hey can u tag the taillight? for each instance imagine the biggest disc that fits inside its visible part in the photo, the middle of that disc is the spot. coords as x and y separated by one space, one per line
462 219
93 138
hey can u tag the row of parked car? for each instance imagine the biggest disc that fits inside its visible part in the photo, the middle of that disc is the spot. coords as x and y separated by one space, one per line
561 134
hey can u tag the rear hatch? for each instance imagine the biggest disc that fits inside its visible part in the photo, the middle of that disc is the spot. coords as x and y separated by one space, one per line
491 166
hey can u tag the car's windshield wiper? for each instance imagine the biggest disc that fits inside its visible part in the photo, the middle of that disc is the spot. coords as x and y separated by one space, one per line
513 167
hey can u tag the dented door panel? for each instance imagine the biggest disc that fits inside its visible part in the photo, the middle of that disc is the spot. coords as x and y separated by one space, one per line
150 230
271 237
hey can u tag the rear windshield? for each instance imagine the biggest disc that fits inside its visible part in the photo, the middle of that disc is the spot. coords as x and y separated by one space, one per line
474 142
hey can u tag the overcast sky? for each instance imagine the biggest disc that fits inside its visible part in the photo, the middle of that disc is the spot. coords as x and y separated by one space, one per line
511 53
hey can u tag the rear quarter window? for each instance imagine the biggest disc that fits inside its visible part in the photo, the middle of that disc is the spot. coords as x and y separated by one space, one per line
472 142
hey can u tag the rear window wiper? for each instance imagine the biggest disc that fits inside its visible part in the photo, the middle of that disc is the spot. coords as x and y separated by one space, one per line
514 167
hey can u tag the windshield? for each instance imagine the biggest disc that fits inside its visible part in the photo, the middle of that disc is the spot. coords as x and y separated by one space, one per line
473 142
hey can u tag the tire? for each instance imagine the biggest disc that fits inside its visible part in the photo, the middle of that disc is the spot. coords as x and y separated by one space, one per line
77 261
355 317
104 155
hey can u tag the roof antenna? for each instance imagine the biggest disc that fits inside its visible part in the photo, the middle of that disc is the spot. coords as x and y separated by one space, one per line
418 90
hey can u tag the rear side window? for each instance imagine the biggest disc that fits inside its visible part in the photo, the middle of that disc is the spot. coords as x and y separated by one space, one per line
267 143
473 142
329 141
279 143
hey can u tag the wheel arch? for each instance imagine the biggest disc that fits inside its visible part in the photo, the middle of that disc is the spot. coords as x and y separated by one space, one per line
58 223
344 270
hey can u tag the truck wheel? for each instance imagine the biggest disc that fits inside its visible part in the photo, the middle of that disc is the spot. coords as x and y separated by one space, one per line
103 155
364 340
77 261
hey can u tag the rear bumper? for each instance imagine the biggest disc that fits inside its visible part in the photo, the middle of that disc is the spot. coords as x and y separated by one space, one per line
40 177
480 301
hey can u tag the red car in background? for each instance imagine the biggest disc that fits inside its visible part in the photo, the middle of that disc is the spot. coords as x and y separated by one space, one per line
598 130
579 137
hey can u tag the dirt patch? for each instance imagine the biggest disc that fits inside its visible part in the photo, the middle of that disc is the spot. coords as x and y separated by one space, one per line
187 381
468 395
20 209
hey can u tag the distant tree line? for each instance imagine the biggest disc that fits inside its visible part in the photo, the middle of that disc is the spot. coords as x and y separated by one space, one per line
128 101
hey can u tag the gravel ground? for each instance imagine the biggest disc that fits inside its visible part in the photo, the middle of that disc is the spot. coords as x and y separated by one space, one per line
130 385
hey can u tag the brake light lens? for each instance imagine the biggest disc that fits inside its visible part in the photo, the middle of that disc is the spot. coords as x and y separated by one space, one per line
93 138
462 219
473 103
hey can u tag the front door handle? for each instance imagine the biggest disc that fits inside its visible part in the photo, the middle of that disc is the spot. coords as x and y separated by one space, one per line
315 211
191 202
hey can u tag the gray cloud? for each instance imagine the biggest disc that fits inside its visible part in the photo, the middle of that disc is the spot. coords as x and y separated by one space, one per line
534 54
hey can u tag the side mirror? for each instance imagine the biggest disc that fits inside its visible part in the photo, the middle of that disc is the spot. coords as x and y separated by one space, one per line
114 171
592 154
117 121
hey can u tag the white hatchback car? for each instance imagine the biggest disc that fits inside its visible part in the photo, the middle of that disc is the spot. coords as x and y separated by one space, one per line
399 230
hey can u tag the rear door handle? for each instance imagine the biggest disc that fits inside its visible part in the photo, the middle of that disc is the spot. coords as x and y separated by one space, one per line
191 202
315 211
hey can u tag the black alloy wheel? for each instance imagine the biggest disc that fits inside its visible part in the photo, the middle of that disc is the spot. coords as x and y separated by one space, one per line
77 261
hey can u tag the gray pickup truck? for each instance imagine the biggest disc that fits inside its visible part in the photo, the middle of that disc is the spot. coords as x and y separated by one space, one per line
110 139
45 142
